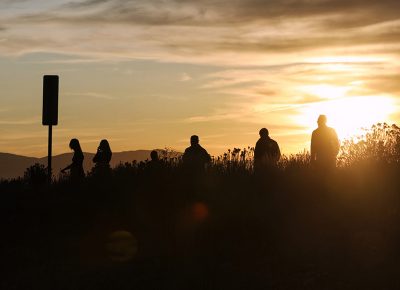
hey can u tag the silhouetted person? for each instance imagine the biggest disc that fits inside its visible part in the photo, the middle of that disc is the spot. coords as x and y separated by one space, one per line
195 157
102 158
324 145
155 164
76 167
266 152
154 156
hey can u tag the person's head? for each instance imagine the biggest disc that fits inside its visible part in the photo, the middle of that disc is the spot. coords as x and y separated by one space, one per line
264 133
104 146
194 140
322 120
74 145
154 155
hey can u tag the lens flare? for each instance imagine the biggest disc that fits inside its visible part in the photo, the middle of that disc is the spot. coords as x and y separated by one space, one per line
122 246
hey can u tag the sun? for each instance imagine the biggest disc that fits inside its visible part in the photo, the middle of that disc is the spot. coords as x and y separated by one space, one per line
349 115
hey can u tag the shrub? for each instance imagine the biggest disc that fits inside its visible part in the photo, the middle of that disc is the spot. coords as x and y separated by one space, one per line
380 143
35 175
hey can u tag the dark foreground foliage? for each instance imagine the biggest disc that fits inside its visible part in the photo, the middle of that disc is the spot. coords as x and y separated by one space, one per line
150 227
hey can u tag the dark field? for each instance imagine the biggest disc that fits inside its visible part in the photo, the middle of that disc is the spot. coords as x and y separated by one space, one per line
293 228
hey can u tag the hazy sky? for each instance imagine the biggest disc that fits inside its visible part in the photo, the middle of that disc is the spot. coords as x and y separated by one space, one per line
148 74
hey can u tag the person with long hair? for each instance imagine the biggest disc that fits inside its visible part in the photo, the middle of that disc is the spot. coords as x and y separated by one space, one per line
76 167
103 157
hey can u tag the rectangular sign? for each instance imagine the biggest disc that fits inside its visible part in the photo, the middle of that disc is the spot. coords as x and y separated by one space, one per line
50 100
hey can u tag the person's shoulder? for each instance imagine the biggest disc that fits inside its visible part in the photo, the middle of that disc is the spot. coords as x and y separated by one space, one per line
262 142
332 130
274 144
202 148
316 132
273 141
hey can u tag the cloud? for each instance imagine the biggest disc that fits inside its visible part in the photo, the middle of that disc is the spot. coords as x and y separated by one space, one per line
31 121
346 13
388 83
85 4
185 77
91 95
11 137
211 117
262 32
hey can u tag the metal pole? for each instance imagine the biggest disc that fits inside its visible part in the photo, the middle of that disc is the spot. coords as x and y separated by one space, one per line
49 154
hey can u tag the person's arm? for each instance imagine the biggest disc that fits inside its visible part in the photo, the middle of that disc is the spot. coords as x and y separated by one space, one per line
257 151
207 159
207 156
66 168
336 142
277 152
312 148
96 157
184 157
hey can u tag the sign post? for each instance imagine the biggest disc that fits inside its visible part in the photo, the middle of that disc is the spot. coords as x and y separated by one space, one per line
50 112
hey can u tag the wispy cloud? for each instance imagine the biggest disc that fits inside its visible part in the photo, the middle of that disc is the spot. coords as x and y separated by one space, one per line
30 121
212 117
90 95
23 136
243 32
210 12
185 77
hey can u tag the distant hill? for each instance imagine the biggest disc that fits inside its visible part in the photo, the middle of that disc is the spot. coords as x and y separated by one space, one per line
12 165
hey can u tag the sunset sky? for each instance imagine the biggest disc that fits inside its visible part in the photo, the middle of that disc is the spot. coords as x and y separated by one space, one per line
148 74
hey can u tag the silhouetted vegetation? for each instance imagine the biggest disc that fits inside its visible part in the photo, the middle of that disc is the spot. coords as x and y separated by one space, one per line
35 175
150 226
379 144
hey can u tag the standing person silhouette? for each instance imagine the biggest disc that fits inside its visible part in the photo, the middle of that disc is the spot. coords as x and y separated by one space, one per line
102 158
155 164
195 157
76 167
266 152
154 156
324 145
